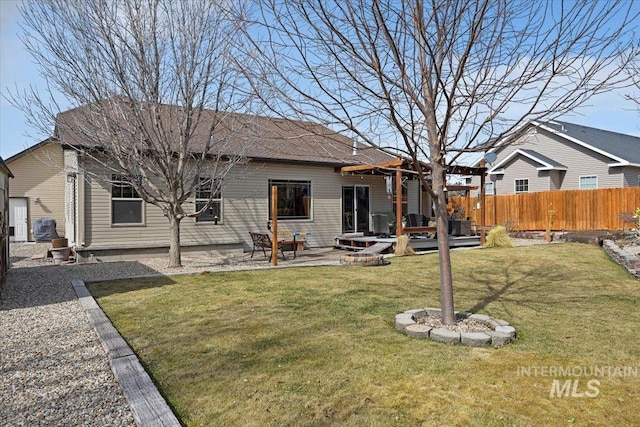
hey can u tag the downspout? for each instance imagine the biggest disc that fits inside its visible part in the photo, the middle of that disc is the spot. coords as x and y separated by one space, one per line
79 220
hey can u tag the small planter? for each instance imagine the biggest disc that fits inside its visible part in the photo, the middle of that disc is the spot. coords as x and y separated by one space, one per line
60 254
60 243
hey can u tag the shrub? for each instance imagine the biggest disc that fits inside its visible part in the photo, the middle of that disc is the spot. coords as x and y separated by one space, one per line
498 238
403 247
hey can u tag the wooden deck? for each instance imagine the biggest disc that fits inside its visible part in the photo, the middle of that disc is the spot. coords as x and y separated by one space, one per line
358 242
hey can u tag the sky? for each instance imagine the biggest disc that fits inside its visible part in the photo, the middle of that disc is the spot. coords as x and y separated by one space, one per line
609 111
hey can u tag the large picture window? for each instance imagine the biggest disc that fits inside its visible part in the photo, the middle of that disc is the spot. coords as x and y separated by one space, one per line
203 193
126 204
294 199
522 185
588 182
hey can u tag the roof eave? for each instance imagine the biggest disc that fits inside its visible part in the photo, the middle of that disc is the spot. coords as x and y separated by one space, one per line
623 164
551 168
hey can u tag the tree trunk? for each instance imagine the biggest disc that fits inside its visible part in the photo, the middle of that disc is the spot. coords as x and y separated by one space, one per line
444 258
175 257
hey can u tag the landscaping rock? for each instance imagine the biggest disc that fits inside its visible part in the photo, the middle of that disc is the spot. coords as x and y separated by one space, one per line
460 315
445 336
434 312
480 317
418 331
475 339
416 312
485 319
501 322
499 338
475 330
507 330
403 320
630 261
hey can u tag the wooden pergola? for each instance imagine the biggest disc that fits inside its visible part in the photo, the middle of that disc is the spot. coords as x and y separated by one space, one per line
405 167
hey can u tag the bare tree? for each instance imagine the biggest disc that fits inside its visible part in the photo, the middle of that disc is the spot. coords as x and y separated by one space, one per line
633 71
438 78
152 81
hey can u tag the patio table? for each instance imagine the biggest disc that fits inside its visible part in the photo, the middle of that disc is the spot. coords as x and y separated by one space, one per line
293 242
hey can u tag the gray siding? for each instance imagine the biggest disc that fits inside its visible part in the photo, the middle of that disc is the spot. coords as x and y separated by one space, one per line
413 196
631 176
556 179
245 208
40 178
578 160
523 168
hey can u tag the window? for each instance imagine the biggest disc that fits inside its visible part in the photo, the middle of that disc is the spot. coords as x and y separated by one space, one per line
522 185
638 180
203 193
588 182
489 189
294 199
126 204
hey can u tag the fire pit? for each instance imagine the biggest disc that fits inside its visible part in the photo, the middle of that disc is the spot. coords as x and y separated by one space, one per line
362 260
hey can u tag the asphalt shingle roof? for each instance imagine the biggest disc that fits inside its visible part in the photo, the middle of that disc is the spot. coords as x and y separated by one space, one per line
626 147
255 137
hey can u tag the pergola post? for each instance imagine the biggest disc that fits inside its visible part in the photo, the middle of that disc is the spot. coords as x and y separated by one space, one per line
274 225
398 202
483 164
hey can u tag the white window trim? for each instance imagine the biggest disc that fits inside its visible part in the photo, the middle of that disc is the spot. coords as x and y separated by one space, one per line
209 222
515 191
587 176
126 199
493 188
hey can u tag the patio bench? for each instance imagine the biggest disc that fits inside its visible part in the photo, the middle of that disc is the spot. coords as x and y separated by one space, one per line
263 241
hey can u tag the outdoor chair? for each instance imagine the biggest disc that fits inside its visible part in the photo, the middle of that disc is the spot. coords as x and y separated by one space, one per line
380 225
263 241
414 220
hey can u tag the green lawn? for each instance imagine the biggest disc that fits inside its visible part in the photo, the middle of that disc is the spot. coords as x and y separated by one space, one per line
317 346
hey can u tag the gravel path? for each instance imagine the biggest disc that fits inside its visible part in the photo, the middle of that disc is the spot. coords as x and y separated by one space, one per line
53 369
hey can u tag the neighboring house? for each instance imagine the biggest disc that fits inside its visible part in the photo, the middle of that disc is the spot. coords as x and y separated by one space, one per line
558 155
108 221
5 174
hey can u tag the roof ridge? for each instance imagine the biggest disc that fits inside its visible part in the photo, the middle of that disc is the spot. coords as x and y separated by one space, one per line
562 122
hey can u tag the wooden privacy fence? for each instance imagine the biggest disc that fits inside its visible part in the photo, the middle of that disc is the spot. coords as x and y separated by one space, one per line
572 209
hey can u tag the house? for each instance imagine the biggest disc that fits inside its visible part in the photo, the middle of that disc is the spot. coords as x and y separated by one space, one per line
558 155
56 178
5 174
38 189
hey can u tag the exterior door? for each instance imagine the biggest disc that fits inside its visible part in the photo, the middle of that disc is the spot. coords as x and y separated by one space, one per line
355 209
18 219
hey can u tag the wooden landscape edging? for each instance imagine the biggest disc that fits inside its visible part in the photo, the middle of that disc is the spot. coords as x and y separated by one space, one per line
147 405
